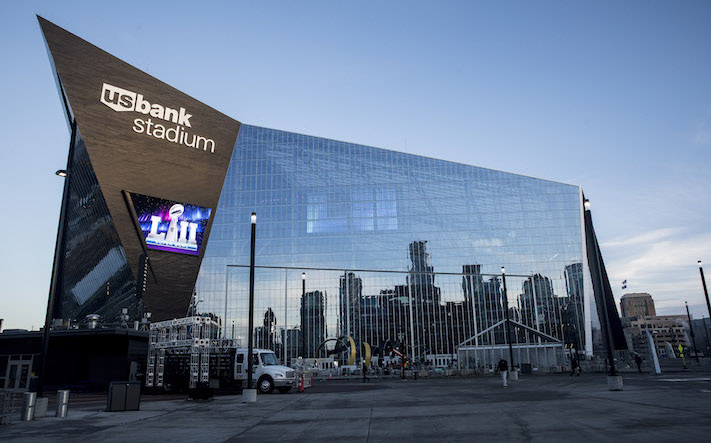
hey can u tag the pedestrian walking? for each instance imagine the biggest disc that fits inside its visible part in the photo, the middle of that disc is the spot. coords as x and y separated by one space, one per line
638 360
503 368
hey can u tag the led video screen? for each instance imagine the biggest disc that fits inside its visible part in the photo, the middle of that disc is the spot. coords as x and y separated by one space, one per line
171 226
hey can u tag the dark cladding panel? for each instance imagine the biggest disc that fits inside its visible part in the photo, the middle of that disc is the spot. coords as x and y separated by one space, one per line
601 287
145 137
95 277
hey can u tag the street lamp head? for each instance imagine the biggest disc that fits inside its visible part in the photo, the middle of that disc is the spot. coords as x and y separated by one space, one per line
254 218
586 203
61 173
503 270
699 262
303 276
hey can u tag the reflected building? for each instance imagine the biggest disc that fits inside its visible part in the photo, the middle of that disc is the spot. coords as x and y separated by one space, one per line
539 307
425 297
291 342
265 335
574 311
350 294
313 322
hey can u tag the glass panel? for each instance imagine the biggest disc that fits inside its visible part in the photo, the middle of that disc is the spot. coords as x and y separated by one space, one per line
94 265
445 228
23 376
12 379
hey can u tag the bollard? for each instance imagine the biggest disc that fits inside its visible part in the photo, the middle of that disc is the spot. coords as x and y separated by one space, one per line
41 407
28 406
62 403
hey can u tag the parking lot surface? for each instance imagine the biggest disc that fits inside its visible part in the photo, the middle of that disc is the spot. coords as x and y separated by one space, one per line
535 408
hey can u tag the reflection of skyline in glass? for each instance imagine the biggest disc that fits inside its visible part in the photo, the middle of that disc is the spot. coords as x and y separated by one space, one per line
329 204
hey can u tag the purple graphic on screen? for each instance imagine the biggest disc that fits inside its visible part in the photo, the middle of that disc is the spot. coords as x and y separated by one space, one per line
169 225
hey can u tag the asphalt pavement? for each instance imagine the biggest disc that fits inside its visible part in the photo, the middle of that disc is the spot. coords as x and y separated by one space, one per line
535 408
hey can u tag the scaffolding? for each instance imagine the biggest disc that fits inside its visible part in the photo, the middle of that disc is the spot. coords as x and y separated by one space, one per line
195 337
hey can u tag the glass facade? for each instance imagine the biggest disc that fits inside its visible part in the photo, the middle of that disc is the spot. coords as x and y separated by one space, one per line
94 277
394 246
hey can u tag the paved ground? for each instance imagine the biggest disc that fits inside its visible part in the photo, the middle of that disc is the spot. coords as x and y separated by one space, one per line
536 408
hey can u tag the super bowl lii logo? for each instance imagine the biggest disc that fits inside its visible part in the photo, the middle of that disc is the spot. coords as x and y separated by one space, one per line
123 100
169 225
183 238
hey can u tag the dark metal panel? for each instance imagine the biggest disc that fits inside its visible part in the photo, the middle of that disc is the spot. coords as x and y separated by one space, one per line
124 159
601 287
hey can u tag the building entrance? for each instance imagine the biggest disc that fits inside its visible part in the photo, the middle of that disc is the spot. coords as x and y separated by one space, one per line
17 377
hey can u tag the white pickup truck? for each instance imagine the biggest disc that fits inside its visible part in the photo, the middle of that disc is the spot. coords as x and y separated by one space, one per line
267 373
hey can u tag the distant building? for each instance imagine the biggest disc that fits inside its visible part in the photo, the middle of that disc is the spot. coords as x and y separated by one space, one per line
639 304
671 329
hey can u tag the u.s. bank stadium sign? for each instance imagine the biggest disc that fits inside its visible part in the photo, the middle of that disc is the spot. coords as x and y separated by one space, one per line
123 100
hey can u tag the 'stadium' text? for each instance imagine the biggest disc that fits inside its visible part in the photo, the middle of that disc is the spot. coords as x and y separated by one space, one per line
173 134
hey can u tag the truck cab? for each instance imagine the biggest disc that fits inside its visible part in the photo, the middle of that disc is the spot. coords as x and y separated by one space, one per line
266 371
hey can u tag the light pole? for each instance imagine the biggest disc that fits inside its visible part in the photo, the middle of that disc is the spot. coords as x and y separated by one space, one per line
691 332
303 315
706 291
508 321
250 395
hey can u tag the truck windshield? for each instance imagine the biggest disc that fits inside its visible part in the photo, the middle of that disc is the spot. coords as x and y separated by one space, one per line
268 359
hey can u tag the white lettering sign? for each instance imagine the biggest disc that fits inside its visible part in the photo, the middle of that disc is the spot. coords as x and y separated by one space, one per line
123 100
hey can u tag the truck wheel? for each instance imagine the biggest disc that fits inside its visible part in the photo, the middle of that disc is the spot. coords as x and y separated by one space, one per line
284 390
265 385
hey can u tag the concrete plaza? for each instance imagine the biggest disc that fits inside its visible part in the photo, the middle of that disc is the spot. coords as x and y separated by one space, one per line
536 408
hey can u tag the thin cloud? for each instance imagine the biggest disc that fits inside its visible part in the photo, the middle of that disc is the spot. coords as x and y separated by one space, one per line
661 262
642 239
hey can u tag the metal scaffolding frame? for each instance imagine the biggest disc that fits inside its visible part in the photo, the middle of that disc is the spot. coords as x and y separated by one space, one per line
197 336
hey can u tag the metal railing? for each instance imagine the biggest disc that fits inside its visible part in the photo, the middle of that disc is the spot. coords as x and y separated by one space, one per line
10 405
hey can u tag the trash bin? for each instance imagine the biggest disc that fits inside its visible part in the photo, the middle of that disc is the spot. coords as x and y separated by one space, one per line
124 396
28 406
62 403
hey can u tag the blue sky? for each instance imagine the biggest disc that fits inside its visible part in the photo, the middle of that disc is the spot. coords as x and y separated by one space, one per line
612 96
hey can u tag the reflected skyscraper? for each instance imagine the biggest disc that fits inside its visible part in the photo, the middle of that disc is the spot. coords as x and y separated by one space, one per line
574 312
538 304
313 322
350 294
264 336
